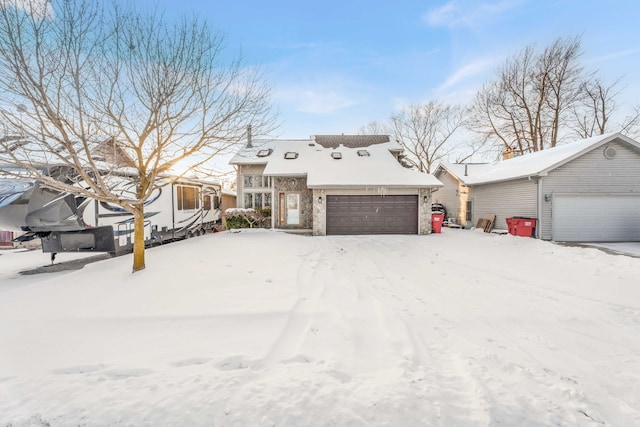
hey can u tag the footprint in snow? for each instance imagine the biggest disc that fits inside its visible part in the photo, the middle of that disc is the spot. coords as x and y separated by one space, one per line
122 374
190 362
84 369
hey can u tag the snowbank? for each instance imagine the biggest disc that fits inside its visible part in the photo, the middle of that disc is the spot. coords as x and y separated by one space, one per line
264 328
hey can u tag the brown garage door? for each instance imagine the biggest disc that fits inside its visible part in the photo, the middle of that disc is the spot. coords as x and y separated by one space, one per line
372 214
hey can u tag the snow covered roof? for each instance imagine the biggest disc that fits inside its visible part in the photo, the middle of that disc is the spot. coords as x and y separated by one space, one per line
358 164
533 164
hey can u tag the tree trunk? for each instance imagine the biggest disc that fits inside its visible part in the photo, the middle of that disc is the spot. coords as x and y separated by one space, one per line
138 238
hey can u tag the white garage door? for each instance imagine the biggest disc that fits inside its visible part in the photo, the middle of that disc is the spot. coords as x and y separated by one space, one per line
596 218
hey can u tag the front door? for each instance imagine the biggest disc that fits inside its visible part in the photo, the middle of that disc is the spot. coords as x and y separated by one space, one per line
293 209
289 208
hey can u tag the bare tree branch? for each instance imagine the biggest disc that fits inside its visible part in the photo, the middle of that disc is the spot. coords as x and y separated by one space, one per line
425 132
92 77
527 107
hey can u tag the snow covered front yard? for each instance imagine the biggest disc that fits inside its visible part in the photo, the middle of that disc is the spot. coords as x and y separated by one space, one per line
263 328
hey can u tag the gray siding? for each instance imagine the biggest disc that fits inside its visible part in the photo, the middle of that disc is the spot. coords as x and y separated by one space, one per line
241 172
590 173
449 196
504 199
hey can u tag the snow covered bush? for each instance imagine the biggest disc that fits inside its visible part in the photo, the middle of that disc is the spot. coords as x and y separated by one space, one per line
244 218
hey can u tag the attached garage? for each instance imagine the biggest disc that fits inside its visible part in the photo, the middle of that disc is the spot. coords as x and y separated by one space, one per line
596 217
372 214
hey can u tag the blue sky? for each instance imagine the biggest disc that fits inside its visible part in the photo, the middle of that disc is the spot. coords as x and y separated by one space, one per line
336 65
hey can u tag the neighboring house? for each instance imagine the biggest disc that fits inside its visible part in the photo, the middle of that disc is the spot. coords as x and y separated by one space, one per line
335 184
585 191
228 201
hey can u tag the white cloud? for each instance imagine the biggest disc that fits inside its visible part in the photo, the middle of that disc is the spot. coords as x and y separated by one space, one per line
614 55
39 8
322 97
467 13
472 69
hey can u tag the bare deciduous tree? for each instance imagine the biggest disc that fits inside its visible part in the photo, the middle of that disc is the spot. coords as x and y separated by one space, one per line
595 114
631 124
86 72
597 104
425 132
374 128
527 107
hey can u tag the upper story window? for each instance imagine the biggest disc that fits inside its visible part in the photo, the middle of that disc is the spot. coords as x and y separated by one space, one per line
336 155
363 153
257 181
289 155
265 153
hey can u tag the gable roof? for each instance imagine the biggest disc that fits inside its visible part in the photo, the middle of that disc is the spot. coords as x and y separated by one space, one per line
315 161
532 164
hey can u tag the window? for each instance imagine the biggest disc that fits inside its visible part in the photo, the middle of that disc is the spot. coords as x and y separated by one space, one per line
363 153
265 153
248 200
469 216
336 155
266 181
206 203
256 181
188 197
289 155
257 200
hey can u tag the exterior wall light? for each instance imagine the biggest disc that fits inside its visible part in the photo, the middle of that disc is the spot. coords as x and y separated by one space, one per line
547 197
319 199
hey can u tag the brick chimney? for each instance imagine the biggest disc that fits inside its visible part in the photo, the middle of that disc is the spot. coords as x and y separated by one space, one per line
508 153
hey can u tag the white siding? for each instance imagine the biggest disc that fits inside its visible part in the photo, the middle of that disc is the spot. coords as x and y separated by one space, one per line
450 196
591 173
504 199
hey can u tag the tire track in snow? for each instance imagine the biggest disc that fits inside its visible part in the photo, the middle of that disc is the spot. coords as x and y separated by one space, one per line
442 377
289 341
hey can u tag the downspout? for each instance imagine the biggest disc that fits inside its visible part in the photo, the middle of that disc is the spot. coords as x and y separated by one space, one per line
273 203
539 206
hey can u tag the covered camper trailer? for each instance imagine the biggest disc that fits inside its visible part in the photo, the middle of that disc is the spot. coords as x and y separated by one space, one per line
67 222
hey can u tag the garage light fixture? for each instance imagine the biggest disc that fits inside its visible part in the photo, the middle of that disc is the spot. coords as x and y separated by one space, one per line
319 199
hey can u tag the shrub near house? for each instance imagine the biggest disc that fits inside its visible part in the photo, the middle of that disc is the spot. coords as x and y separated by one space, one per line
247 218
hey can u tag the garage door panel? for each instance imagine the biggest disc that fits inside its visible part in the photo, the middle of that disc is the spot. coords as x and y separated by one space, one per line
372 214
596 218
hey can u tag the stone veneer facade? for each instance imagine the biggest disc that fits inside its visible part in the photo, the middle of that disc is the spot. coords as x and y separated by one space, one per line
313 211
286 185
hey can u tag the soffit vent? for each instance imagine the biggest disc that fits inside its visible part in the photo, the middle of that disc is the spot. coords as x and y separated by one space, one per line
609 153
